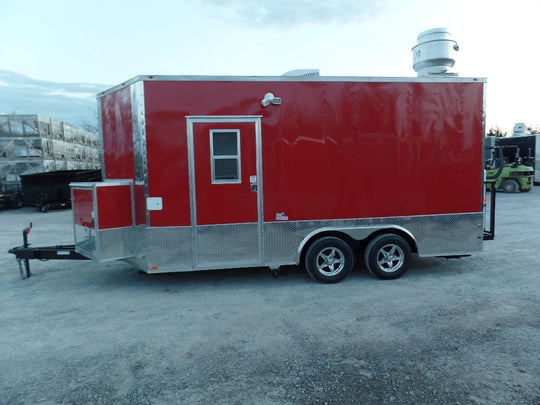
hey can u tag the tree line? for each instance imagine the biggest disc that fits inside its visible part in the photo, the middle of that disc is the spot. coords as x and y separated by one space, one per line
498 132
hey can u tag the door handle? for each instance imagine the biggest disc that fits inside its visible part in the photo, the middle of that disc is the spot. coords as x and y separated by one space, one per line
253 187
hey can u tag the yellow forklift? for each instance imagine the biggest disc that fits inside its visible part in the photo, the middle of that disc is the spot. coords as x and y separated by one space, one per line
506 170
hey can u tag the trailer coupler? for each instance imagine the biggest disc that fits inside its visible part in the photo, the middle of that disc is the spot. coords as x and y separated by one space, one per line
25 253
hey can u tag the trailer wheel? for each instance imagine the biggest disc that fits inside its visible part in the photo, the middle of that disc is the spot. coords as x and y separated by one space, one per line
510 186
329 260
387 256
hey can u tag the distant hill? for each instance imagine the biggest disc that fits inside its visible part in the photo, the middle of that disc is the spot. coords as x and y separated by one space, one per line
74 103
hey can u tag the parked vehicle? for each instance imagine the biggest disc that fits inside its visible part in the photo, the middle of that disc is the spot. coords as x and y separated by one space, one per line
212 172
10 195
507 172
528 146
225 172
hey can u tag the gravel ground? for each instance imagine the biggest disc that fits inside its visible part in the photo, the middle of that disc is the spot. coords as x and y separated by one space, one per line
461 331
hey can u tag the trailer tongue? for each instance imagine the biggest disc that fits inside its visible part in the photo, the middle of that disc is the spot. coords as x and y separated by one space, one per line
25 253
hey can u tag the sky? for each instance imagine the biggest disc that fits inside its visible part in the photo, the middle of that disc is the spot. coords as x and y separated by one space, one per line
110 41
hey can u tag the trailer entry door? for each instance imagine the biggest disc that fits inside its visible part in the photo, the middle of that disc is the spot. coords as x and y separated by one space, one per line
225 184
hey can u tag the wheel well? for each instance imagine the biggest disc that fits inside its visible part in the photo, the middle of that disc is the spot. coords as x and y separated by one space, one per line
358 246
394 231
340 235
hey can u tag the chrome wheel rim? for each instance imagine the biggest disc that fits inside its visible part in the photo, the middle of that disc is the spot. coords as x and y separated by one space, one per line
330 261
390 258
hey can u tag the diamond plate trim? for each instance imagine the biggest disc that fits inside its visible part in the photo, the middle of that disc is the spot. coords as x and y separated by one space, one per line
85 242
435 235
107 244
226 244
171 249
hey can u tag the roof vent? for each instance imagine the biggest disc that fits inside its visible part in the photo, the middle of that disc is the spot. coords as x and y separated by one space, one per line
434 53
302 73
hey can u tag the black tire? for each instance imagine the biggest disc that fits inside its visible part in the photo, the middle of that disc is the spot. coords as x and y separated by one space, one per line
329 260
510 186
387 256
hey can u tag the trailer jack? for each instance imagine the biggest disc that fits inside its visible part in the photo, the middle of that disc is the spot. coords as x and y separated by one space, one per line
489 234
25 253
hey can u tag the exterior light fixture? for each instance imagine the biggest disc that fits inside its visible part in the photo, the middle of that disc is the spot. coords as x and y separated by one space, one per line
269 98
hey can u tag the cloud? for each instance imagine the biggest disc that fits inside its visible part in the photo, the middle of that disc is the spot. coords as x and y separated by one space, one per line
71 94
287 14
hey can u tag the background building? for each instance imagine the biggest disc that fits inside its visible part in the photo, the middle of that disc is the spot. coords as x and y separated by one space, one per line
32 143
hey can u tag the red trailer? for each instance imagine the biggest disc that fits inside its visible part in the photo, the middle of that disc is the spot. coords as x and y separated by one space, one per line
227 172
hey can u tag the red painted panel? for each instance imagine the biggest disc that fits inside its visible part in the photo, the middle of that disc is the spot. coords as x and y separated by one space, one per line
83 205
224 203
376 150
167 158
114 206
331 149
140 204
117 124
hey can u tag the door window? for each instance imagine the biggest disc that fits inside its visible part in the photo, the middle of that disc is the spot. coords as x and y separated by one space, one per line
225 156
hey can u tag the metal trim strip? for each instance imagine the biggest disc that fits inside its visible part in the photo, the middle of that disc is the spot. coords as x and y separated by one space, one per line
192 191
138 116
366 79
101 146
96 220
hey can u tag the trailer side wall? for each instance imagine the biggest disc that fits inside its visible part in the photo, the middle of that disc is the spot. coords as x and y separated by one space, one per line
350 156
117 135
331 149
